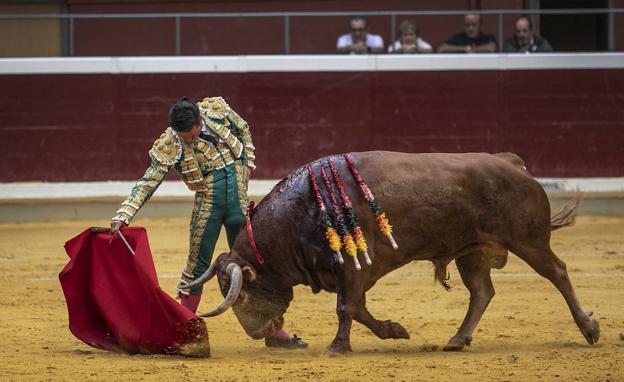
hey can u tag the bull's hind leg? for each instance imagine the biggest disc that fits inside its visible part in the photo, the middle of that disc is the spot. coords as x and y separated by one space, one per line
547 264
474 269
382 329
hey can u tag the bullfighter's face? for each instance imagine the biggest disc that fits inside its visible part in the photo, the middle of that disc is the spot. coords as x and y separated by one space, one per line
192 135
260 306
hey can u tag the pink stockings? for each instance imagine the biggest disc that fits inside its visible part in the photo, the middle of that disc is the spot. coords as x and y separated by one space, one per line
191 302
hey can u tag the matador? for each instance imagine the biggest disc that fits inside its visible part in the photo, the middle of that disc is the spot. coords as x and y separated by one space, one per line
209 146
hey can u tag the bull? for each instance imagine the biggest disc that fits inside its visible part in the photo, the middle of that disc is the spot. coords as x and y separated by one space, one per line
471 208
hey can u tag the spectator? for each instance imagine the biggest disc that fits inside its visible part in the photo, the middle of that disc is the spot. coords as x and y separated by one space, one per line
473 40
524 40
359 41
409 40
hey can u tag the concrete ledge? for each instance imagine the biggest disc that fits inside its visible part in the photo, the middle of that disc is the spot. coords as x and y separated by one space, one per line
27 210
40 201
309 63
257 187
110 189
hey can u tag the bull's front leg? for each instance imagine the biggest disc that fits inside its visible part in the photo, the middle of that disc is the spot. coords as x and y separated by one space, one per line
348 290
382 329
342 342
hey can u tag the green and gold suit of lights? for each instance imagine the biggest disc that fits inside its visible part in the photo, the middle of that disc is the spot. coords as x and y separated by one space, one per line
214 172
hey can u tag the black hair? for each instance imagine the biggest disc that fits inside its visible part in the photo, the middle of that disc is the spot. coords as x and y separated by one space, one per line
183 115
355 18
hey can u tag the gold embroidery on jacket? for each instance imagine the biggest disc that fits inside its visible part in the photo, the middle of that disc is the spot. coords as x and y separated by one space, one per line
214 107
167 149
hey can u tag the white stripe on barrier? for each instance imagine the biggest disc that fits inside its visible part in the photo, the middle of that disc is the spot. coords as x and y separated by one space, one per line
258 187
309 63
58 190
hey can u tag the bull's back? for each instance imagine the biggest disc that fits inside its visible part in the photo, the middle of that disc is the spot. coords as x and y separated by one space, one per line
453 198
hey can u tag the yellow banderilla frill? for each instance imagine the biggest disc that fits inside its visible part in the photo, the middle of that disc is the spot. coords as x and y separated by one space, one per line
386 228
360 241
334 243
349 244
351 248
333 239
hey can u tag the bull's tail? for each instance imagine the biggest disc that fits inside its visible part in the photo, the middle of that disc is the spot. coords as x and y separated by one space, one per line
440 273
566 215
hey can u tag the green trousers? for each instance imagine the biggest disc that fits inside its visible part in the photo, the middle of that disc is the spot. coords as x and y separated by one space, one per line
213 210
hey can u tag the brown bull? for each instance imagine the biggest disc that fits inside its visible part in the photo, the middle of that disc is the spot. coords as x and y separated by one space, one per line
471 208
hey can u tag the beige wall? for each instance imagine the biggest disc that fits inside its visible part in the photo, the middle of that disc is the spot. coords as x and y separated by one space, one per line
23 38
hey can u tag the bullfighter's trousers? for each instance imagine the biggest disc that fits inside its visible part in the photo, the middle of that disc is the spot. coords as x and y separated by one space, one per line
221 205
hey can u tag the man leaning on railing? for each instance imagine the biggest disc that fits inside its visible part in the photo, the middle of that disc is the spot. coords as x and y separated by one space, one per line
358 40
524 40
472 40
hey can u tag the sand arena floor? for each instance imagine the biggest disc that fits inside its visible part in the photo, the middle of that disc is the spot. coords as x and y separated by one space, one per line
526 334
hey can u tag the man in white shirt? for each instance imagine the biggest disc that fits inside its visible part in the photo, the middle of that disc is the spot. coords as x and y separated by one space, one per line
358 40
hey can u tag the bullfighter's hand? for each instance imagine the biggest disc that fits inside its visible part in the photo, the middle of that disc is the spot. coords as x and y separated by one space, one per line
117 226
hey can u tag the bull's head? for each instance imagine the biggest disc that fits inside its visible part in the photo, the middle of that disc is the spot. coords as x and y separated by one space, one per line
258 306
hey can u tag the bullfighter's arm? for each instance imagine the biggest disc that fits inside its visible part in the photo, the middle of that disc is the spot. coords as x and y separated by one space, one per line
143 189
165 152
244 133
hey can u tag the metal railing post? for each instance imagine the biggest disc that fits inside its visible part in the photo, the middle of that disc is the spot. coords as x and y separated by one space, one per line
64 33
610 27
392 30
500 32
286 34
177 35
71 36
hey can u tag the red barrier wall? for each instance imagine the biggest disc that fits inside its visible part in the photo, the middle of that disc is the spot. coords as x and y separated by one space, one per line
566 123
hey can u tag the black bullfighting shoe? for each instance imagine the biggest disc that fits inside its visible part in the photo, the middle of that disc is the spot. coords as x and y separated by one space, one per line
290 343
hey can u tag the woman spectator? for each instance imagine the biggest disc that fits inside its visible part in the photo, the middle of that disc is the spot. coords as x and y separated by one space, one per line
409 40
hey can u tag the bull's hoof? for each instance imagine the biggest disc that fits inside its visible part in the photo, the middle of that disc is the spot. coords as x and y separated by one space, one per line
591 332
338 348
457 343
389 329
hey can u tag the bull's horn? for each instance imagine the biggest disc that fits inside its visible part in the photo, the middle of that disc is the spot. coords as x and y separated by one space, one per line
236 275
205 277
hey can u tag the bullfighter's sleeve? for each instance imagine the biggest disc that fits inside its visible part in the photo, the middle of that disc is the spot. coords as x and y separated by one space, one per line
248 158
165 152
143 189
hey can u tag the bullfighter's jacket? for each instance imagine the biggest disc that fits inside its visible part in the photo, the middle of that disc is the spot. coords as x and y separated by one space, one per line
195 162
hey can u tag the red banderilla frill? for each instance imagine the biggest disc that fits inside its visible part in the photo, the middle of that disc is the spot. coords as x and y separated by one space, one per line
330 233
347 239
358 235
380 216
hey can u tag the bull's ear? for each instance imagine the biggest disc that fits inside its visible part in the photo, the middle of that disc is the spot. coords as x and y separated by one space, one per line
249 274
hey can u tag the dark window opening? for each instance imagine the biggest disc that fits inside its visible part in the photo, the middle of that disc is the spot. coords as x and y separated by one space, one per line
575 33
